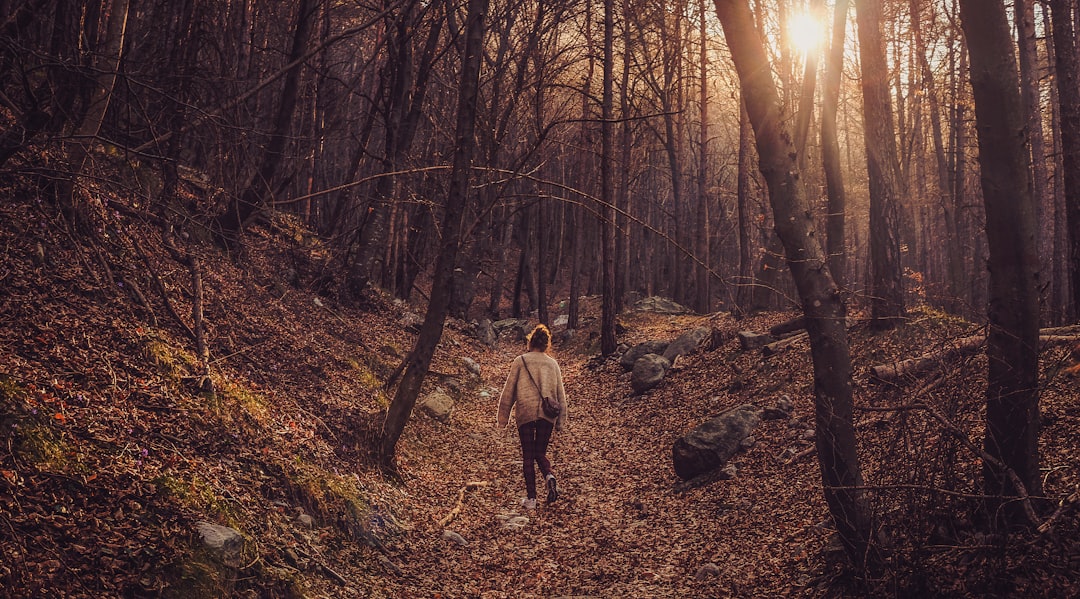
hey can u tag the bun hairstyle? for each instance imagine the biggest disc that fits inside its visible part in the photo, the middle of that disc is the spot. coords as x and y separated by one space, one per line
539 339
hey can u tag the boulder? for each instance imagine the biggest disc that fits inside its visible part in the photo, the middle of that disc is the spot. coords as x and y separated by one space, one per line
514 328
561 321
711 444
471 366
438 405
660 305
780 411
411 322
686 343
222 540
649 347
749 340
484 331
648 371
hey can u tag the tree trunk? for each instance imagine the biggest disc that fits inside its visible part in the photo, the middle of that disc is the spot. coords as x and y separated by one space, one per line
419 360
1012 395
258 190
830 147
607 195
746 283
703 299
822 304
1067 69
107 65
1030 94
887 292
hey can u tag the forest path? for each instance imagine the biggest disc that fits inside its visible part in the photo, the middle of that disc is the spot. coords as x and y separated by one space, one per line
618 529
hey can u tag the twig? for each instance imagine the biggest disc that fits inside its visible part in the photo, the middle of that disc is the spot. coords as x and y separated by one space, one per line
338 578
1071 499
461 501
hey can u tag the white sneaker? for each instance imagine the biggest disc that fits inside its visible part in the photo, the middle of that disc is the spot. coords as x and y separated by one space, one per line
528 504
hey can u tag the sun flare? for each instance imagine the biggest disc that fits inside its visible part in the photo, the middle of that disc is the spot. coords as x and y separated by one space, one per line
806 33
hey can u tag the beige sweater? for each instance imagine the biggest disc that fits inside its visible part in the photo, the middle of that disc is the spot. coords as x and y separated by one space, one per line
520 393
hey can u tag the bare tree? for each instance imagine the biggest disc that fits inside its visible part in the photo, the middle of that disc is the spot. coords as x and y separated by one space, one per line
419 359
1012 395
887 291
821 301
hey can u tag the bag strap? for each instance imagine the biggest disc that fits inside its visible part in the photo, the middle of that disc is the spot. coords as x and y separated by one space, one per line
528 372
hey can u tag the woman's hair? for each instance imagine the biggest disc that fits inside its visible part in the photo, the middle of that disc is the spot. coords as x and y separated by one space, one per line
540 338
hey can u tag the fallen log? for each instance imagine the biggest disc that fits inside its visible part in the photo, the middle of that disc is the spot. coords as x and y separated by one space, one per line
915 367
771 349
788 326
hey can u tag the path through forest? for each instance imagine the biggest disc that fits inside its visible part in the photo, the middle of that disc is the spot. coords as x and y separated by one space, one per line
619 529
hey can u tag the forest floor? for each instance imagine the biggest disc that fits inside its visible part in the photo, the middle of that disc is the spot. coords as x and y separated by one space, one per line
112 454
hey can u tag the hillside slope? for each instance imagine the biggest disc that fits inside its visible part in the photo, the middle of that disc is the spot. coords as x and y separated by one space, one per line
114 451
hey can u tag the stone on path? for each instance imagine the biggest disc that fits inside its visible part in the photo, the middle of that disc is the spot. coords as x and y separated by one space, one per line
711 444
707 571
648 371
687 343
438 405
454 537
648 347
220 539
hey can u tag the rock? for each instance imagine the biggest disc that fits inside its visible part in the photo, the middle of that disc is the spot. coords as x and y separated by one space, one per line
438 405
561 320
411 322
220 539
485 332
707 571
305 520
471 366
808 434
748 442
454 537
781 410
730 471
711 444
686 343
513 521
516 329
649 347
660 305
749 340
648 371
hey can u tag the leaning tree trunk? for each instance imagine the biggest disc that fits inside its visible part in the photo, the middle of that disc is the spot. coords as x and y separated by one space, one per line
887 289
419 359
1012 395
821 301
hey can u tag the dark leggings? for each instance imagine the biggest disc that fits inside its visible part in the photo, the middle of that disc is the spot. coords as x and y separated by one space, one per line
534 442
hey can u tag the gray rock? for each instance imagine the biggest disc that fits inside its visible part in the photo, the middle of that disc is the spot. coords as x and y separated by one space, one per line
649 347
305 520
686 343
438 405
485 332
454 537
749 340
711 444
781 410
411 322
730 470
707 571
808 434
648 371
514 328
220 539
660 305
561 320
471 366
748 442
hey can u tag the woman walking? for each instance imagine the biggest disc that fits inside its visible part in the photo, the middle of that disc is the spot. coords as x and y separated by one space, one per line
533 377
